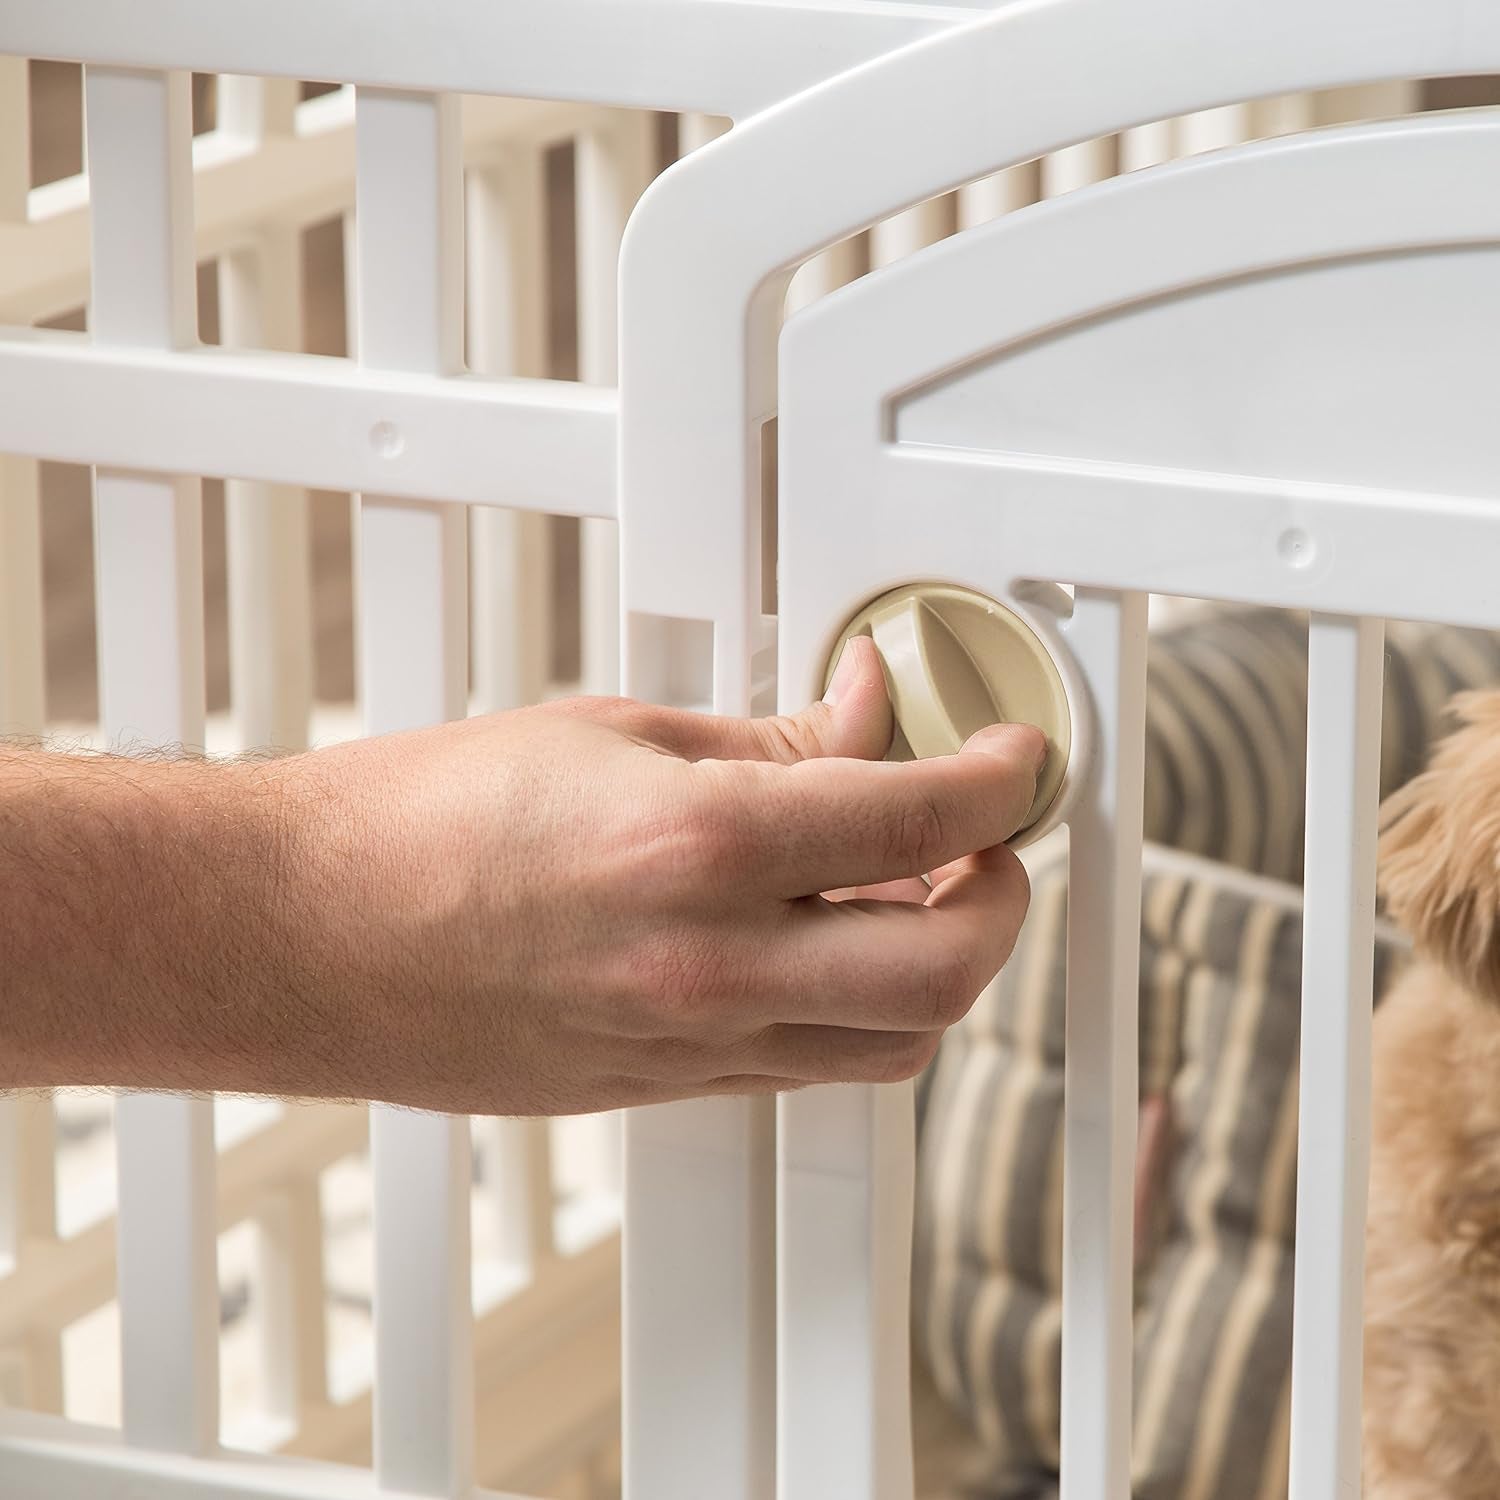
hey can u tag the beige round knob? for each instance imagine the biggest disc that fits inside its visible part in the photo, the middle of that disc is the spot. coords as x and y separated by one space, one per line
955 661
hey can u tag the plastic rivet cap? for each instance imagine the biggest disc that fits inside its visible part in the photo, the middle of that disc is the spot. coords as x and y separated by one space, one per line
955 661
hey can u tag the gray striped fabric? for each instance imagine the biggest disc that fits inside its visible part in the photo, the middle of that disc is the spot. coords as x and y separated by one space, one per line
1220 979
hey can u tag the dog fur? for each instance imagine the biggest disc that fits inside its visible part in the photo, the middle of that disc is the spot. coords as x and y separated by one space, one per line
1432 1280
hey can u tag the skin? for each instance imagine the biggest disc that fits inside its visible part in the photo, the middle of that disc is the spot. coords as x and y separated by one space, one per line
567 908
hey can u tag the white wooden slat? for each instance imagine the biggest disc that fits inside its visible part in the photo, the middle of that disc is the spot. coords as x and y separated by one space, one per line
413 662
1107 633
266 526
846 1174
15 139
613 164
506 313
148 562
1345 680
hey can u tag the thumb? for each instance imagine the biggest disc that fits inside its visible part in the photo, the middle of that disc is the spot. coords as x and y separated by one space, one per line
853 719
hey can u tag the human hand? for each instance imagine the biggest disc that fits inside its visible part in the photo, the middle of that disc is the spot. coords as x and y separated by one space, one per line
599 903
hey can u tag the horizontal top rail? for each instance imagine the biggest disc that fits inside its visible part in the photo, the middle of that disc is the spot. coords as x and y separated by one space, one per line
729 57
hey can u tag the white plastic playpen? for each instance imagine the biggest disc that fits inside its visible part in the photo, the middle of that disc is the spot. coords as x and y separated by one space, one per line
1214 378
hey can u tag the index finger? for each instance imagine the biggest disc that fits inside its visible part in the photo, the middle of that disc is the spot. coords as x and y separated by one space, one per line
823 824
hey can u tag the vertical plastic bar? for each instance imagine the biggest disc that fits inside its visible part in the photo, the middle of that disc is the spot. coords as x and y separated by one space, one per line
518 1177
922 224
28 1178
612 168
613 164
1107 634
21 690
149 567
846 1176
266 525
1345 671
289 1252
699 1301
507 335
15 139
351 351
413 628
254 108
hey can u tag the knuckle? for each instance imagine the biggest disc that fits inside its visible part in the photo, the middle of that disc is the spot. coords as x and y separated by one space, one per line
699 831
785 738
951 985
918 834
680 979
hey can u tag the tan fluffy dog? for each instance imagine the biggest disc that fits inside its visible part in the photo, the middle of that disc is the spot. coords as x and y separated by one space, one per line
1432 1284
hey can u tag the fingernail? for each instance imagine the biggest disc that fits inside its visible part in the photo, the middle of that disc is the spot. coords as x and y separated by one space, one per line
1012 739
843 674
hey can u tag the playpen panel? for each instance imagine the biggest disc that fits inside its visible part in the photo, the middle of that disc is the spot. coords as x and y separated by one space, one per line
148 561
875 380
413 627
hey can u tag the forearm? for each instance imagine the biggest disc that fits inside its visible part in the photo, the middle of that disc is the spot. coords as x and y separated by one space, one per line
157 926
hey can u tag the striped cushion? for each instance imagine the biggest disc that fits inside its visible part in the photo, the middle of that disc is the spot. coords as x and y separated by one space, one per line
1220 971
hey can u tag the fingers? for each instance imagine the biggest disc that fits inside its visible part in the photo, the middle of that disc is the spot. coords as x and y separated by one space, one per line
829 824
840 1054
894 966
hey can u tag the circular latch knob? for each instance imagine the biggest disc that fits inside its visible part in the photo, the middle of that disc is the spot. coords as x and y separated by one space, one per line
955 661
